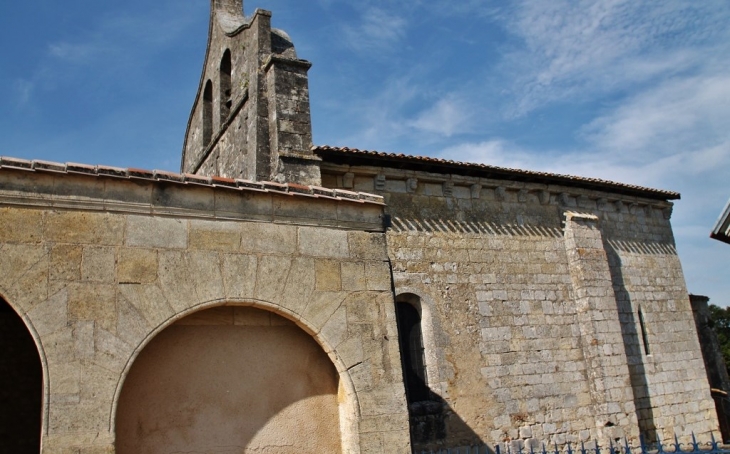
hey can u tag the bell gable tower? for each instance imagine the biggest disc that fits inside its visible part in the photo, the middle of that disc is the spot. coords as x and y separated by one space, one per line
250 118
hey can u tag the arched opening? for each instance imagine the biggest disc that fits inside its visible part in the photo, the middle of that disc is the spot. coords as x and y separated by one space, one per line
207 113
230 380
410 338
225 80
21 385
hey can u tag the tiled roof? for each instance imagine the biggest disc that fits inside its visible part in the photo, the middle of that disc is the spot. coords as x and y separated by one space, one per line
188 179
352 156
722 226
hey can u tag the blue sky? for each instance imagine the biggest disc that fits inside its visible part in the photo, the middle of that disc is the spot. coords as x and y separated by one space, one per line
627 90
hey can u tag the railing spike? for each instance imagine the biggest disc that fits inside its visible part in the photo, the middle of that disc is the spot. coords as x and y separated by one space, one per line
626 445
597 448
695 445
713 442
642 444
677 445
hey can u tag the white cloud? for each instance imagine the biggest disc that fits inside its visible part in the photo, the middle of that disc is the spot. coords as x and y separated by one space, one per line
675 116
377 31
77 52
573 49
448 116
24 91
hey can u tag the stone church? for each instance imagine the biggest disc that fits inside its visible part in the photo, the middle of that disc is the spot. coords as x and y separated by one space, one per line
279 297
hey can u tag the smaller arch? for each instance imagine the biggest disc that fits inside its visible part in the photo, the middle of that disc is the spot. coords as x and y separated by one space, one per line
226 86
207 113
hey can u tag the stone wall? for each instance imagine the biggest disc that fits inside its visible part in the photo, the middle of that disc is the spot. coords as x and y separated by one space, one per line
98 265
533 293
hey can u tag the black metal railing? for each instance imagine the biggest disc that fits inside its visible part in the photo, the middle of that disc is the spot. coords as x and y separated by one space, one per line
517 447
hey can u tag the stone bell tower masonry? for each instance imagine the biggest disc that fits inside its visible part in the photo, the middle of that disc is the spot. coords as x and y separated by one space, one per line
250 119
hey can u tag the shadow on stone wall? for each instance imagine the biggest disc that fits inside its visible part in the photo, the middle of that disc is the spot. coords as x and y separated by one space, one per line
632 346
435 425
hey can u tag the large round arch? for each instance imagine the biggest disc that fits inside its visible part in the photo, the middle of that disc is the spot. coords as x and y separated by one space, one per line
21 385
230 379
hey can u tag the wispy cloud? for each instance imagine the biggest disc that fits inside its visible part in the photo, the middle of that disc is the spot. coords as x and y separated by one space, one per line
376 31
572 48
448 116
23 90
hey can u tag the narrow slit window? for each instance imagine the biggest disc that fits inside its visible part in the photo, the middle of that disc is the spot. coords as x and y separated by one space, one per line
644 336
207 113
412 352
226 87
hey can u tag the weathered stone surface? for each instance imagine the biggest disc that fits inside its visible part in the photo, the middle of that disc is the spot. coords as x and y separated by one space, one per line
319 242
66 262
21 225
353 276
83 227
156 232
269 238
93 302
271 277
137 266
367 246
327 275
149 301
213 235
98 264
239 275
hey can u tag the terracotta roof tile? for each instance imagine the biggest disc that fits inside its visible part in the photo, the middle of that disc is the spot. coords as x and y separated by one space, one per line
183 179
354 156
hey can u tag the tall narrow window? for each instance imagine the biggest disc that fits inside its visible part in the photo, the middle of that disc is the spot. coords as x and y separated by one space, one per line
207 113
412 352
225 79
644 337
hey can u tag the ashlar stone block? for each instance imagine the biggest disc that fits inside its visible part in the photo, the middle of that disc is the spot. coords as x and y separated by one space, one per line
93 302
156 232
137 266
268 238
21 225
98 264
327 275
80 227
322 242
239 275
66 262
214 235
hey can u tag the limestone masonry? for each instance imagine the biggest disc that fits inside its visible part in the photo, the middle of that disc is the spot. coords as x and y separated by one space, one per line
280 297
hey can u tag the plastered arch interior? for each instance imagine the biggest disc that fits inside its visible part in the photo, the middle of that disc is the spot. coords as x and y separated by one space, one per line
24 382
261 327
